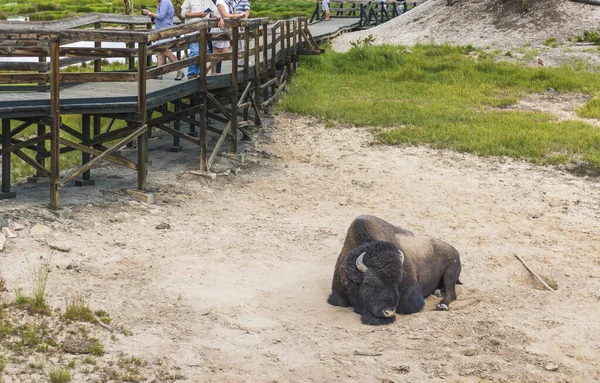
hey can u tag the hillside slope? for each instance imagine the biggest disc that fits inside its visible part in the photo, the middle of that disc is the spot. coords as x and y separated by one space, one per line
482 23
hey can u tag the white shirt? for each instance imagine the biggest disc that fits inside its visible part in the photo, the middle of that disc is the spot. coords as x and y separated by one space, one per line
194 6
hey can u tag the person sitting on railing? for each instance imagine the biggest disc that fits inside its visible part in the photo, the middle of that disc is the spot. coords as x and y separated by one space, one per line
242 6
193 11
325 8
164 19
226 9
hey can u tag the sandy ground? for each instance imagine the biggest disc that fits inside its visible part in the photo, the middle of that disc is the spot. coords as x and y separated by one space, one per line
235 290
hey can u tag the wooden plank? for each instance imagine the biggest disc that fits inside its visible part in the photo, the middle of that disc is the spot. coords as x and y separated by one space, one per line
22 78
75 173
22 66
31 162
98 77
98 52
119 160
104 35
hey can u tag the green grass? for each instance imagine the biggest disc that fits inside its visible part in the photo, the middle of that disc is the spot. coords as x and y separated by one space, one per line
59 375
44 10
443 97
78 310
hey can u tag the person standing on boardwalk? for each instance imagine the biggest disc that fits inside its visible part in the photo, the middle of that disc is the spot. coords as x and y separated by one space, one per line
193 11
242 7
164 19
325 8
226 9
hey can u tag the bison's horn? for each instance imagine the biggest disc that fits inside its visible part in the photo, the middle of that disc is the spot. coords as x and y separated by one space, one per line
401 254
359 263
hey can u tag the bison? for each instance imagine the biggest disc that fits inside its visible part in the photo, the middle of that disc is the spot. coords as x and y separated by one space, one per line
383 270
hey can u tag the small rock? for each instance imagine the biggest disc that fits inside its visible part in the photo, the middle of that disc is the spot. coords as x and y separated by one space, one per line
15 226
2 241
551 367
467 371
39 229
470 352
386 380
77 346
9 233
402 369
119 217
60 247
163 226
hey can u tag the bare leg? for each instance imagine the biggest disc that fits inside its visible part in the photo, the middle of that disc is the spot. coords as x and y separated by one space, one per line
160 57
327 15
213 64
171 56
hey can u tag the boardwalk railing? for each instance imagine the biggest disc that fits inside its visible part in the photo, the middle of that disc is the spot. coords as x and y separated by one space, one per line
369 12
41 91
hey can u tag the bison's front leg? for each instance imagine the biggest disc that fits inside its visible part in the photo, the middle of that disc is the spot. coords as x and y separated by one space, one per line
411 300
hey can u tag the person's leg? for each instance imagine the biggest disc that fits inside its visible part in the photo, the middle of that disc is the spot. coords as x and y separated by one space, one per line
327 15
171 56
214 67
194 69
160 58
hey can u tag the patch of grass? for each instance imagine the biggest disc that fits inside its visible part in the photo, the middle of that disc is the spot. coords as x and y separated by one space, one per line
36 303
78 310
31 334
96 347
59 375
3 362
589 37
104 316
90 360
443 97
551 42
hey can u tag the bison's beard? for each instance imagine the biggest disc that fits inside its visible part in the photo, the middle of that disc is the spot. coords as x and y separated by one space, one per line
372 320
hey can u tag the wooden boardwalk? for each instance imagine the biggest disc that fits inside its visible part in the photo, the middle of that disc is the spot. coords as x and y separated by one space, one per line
36 92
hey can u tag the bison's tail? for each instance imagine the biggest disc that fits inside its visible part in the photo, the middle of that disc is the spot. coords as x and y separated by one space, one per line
458 282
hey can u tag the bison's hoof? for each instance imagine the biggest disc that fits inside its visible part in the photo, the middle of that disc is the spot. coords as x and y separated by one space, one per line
442 307
437 293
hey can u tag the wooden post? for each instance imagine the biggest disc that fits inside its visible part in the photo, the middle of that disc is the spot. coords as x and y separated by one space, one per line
97 44
288 48
204 101
131 60
234 90
55 110
265 58
246 65
85 157
273 69
142 166
177 126
6 137
294 44
257 68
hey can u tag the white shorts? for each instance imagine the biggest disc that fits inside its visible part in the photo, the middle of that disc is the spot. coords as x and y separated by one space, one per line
221 44
325 5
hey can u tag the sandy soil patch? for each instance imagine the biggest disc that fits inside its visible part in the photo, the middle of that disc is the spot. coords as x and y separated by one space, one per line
235 289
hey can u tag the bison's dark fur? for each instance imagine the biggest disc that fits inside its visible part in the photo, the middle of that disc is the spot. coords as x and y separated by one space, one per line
392 280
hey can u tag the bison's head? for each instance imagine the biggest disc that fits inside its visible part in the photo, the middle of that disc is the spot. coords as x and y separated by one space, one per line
375 268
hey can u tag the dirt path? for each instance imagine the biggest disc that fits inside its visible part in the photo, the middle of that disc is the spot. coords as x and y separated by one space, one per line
235 290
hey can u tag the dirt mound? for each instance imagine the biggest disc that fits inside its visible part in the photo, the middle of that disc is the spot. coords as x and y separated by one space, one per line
482 23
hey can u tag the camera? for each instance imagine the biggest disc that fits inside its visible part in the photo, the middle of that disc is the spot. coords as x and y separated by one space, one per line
144 7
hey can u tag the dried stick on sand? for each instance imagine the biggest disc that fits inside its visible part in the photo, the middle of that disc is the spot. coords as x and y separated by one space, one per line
534 273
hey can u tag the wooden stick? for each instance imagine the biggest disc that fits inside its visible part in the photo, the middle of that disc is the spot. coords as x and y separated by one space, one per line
534 273
356 352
